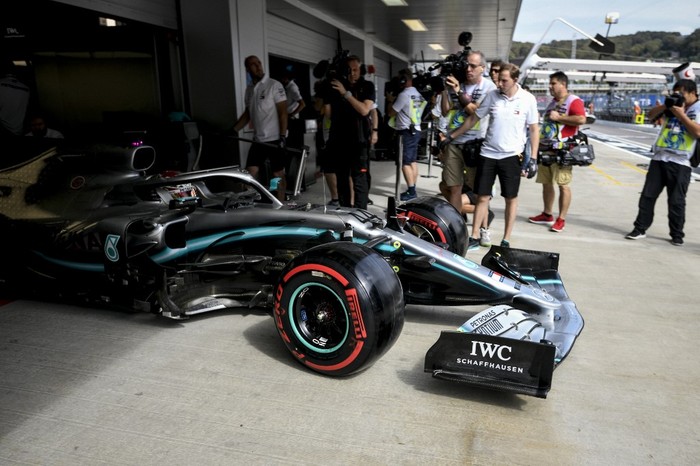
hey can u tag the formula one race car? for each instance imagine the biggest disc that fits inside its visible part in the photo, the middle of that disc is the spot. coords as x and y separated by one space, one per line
89 226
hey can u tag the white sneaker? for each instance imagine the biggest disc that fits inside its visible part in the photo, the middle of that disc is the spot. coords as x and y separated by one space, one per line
485 240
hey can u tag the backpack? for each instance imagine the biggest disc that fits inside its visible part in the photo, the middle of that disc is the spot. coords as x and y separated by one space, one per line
695 159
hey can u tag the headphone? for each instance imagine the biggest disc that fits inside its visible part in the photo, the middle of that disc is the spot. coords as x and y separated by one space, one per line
404 76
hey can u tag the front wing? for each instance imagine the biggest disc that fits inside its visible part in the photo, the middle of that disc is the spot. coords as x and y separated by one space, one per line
500 363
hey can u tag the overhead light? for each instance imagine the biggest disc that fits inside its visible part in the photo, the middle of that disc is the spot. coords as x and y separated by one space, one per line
395 2
109 22
415 25
436 46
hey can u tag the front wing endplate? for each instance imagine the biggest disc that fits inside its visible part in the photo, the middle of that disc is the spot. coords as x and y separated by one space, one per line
498 363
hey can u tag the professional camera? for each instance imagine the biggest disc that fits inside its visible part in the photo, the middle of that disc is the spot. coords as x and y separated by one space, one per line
576 152
335 68
674 100
549 158
455 63
394 86
428 85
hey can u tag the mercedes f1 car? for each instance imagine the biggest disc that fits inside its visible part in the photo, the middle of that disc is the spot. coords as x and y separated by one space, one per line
91 225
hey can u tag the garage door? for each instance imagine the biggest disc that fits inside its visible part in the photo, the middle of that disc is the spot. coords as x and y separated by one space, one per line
287 39
156 12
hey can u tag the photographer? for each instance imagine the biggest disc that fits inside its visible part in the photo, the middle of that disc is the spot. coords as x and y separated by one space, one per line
404 112
562 117
670 165
348 101
458 101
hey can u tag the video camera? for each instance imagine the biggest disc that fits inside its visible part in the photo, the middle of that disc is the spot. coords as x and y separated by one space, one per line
673 100
455 63
576 152
334 68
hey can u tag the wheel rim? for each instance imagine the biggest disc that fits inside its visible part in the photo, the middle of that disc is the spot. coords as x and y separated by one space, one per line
319 317
423 233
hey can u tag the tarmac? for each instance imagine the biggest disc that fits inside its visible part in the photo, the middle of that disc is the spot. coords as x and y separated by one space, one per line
81 386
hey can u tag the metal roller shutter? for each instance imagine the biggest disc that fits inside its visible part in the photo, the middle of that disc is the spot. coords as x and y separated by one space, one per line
287 39
161 13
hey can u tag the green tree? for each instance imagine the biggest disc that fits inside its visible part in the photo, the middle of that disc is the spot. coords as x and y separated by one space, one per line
640 46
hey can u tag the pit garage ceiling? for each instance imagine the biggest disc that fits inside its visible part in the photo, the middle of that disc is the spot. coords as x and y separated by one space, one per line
491 23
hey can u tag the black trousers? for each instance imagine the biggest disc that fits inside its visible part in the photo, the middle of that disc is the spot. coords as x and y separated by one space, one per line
676 179
352 164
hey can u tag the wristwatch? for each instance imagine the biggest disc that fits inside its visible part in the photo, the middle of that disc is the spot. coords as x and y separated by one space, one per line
375 129
347 95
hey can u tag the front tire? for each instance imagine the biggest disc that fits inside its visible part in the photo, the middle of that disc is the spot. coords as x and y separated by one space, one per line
338 308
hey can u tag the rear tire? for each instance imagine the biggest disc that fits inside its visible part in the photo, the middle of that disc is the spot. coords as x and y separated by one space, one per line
338 308
437 221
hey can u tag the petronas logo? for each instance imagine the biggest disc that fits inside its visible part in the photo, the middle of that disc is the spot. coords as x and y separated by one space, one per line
111 250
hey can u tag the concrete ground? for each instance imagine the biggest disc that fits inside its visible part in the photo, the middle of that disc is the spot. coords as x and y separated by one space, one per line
81 386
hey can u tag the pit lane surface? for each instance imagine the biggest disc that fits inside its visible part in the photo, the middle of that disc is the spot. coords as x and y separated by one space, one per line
84 386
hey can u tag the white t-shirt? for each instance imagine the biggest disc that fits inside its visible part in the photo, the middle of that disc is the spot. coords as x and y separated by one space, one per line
409 105
293 97
14 98
261 101
510 120
50 134
674 144
477 92
456 116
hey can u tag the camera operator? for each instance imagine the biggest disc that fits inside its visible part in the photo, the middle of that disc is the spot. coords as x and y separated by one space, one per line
670 165
562 117
458 101
405 112
349 101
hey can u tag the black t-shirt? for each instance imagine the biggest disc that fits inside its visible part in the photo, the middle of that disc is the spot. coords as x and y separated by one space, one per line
348 126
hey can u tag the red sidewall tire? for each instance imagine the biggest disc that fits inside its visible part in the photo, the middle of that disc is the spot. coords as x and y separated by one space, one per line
436 220
338 308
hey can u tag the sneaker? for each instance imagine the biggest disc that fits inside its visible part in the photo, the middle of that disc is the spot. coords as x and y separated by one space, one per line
636 234
559 225
505 243
677 241
334 203
542 219
473 244
485 240
407 195
491 216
